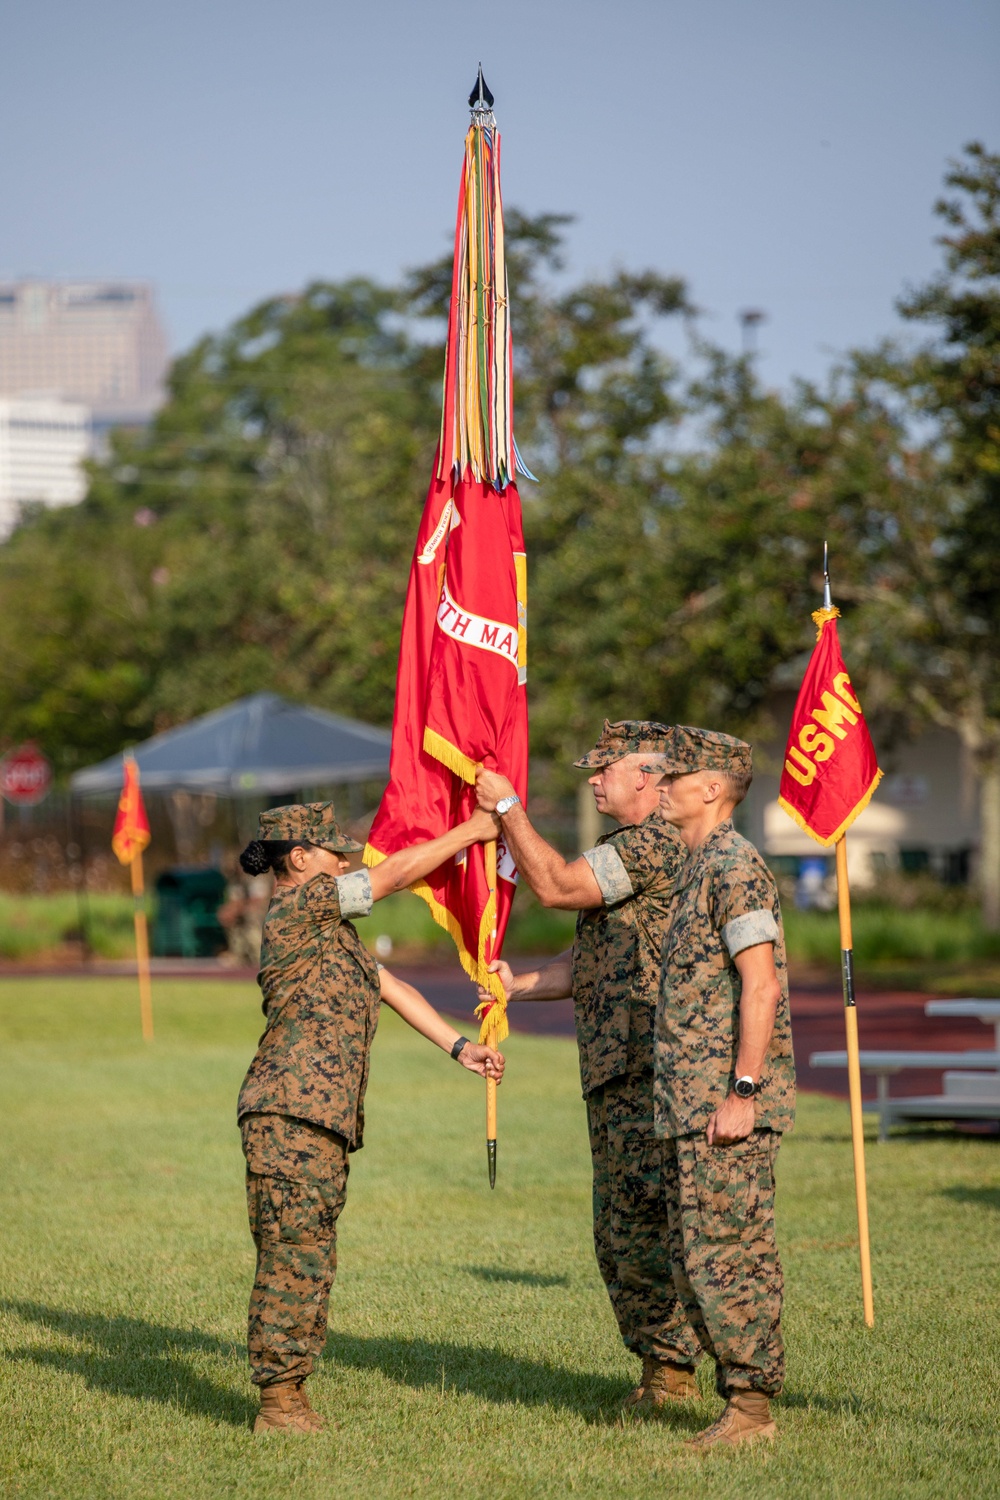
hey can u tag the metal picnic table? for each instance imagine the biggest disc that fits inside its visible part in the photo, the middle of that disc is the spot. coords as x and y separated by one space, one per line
884 1064
967 1095
987 1011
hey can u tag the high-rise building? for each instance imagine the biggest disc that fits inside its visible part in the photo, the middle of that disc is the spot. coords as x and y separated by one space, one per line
42 448
76 358
99 342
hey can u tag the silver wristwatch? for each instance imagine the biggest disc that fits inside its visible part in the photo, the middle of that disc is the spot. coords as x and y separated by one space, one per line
506 803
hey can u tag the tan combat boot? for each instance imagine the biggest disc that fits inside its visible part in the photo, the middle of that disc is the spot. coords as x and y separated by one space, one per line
746 1419
634 1397
662 1382
316 1422
282 1406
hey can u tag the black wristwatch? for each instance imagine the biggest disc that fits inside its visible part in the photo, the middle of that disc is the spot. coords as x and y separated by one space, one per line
745 1087
463 1041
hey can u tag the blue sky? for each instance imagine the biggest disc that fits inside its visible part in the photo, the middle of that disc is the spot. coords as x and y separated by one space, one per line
783 155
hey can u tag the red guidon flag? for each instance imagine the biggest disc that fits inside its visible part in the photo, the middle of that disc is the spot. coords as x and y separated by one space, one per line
131 831
460 690
830 770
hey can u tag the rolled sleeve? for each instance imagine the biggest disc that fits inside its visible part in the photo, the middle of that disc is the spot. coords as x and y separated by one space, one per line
319 900
355 893
612 878
748 930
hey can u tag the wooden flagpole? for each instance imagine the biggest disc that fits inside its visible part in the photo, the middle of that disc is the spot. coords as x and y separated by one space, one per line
854 1077
142 948
491 1039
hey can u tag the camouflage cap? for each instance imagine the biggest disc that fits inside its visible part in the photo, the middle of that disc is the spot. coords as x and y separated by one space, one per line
689 749
627 737
312 822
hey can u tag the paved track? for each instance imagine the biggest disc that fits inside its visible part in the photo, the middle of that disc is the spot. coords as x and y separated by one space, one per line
885 1019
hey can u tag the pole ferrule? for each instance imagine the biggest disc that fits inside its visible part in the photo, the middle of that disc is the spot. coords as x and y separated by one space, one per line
847 975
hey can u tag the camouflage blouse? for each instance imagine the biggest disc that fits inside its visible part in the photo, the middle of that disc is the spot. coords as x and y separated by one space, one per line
321 1002
616 954
725 900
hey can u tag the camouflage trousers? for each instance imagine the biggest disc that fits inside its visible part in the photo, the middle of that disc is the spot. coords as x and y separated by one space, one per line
726 1265
296 1186
634 1177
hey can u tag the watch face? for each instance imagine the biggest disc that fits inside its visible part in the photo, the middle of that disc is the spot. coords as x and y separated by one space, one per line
744 1088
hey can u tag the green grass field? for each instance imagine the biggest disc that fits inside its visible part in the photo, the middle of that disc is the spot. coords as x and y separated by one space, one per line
885 934
30 925
472 1351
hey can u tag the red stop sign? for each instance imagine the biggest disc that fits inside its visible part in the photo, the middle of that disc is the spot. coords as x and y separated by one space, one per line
25 775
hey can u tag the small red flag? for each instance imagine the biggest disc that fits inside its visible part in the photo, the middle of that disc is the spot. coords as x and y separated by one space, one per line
830 769
131 831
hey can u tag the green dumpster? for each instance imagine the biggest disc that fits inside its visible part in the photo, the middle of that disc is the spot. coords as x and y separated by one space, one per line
186 924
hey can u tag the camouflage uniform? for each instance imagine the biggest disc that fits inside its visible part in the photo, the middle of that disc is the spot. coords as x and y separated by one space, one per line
727 1272
616 975
296 1185
301 1107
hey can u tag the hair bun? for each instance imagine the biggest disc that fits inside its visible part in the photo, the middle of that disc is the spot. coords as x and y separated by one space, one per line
254 859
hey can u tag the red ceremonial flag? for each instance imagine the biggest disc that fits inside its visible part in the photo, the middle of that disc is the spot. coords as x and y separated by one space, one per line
830 769
131 830
460 690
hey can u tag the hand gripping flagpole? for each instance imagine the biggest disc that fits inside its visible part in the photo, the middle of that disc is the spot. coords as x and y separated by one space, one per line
853 1055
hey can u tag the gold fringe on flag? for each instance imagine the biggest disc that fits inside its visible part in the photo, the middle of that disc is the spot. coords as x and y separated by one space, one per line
449 755
828 843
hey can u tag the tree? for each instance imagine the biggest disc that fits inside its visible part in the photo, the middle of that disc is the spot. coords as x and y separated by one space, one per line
895 460
595 400
936 601
257 536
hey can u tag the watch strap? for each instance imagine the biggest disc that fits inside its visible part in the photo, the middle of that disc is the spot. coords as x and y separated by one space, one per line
463 1041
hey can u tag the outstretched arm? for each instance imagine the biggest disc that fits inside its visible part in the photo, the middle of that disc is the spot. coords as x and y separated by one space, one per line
417 1012
553 981
401 869
569 885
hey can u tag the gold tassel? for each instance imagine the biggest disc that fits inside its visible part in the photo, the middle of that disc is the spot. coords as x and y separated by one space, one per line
822 617
493 1018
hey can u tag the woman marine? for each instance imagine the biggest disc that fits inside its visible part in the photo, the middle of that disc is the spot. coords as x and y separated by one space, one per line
301 1107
